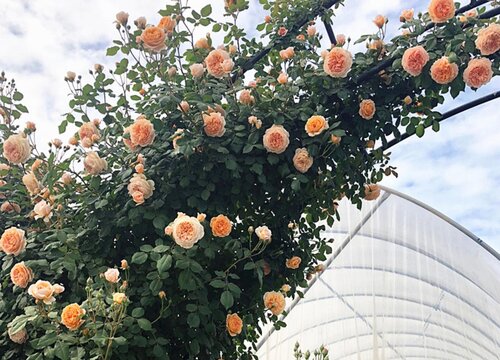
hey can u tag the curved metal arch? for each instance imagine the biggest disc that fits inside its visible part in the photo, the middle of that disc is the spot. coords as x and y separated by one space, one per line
430 282
442 216
405 333
406 346
450 329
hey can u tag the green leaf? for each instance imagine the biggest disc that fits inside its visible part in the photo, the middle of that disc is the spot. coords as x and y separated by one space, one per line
419 131
138 312
139 258
144 324
17 96
62 350
112 50
227 299
218 283
193 320
206 10
164 263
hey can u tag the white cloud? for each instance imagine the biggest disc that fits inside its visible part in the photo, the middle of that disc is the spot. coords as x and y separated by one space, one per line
455 171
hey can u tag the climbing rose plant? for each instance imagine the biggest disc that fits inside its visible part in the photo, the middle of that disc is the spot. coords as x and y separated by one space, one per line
191 200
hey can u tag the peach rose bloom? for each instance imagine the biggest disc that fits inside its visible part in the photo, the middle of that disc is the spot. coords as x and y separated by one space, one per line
407 100
406 15
72 315
282 78
43 211
276 139
140 22
197 70
372 191
167 23
263 233
301 37
274 301
379 21
214 62
70 76
221 226
201 217
112 275
337 62
214 124
122 18
36 164
87 131
142 132
66 178
341 39
246 97
311 31
119 298
187 231
124 264
42 291
16 149
282 31
315 125
234 324
58 289
293 263
478 72
201 44
444 72
139 168
414 60
140 188
21 275
441 11
367 109
31 183
13 241
286 288
8 206
488 39
287 53
302 160
93 164
228 66
172 71
19 337
153 38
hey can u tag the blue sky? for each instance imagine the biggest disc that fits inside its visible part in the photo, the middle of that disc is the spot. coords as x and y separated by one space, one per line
455 171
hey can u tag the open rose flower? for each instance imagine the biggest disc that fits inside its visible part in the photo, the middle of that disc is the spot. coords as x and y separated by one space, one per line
88 133
214 124
187 231
119 298
71 316
21 275
276 139
167 23
293 263
140 188
406 15
488 39
274 301
112 275
282 78
215 61
16 149
302 160
380 21
13 241
31 183
142 132
202 44
93 164
43 211
372 192
9 206
42 291
441 11
263 233
478 72
287 53
443 71
337 62
414 59
153 38
221 226
315 125
246 97
197 70
367 109
234 324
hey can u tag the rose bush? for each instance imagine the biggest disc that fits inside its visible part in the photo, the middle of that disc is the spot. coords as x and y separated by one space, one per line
190 201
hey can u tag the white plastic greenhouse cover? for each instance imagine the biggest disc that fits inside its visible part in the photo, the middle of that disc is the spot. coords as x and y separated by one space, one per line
404 282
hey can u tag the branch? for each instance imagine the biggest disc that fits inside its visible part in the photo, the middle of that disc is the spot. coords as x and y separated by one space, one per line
388 62
330 33
250 63
447 115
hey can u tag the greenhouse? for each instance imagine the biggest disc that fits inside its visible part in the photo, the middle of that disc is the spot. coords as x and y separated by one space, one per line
404 282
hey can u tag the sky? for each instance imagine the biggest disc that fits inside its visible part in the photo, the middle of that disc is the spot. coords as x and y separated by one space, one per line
456 171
